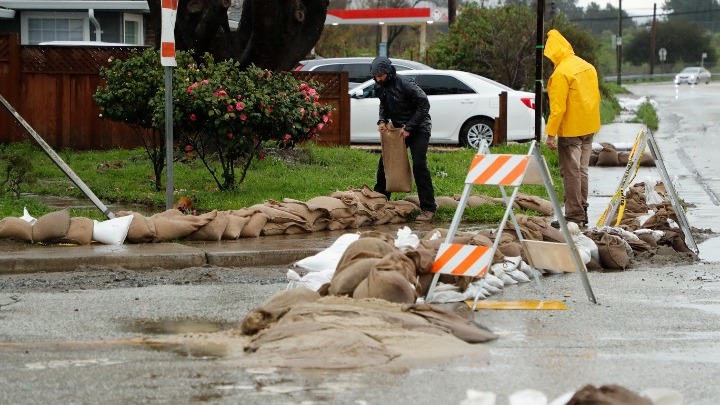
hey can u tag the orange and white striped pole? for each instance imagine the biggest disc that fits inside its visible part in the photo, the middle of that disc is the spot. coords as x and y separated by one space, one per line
167 36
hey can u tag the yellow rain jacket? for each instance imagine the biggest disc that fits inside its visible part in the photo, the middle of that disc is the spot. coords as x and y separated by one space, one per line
573 91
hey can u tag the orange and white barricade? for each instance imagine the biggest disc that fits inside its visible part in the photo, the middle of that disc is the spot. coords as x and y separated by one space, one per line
507 170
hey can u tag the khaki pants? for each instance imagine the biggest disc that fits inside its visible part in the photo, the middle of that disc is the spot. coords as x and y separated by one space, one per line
574 155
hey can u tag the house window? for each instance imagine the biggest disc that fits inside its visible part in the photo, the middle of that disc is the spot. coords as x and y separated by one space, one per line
133 29
43 27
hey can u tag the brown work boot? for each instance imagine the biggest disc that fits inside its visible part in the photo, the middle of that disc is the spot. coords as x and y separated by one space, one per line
425 216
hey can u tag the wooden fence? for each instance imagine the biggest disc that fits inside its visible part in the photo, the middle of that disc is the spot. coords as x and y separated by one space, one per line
51 87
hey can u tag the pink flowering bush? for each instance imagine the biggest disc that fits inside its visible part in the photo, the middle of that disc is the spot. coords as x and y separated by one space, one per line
226 115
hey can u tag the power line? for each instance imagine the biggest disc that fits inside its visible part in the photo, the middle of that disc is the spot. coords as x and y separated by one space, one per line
630 17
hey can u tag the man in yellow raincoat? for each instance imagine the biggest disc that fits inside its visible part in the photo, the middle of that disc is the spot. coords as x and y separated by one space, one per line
574 96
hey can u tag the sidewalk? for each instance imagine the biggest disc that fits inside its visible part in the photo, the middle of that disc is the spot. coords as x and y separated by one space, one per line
287 249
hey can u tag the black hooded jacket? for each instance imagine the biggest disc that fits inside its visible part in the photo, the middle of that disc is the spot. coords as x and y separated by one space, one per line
402 101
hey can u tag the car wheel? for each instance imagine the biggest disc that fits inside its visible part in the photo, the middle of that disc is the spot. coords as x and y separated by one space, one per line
476 129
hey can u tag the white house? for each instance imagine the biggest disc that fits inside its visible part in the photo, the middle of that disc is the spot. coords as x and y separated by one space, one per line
109 21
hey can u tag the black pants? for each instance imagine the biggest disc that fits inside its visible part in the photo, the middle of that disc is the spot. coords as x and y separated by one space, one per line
418 144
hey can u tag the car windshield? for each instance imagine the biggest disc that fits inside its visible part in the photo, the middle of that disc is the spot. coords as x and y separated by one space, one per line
691 70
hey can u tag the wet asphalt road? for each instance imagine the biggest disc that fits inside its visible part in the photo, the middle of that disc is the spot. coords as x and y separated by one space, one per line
653 327
73 338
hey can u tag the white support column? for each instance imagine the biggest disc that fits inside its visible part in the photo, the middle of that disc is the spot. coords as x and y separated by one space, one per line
423 40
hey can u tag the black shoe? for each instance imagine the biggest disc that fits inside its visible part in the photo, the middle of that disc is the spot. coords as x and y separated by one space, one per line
556 224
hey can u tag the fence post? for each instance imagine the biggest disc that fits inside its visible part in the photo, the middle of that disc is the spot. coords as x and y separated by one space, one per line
500 131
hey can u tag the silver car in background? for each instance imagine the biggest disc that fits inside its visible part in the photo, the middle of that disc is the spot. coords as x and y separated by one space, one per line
693 75
358 68
463 107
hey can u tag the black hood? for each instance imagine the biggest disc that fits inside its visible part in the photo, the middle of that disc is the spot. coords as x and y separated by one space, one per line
381 64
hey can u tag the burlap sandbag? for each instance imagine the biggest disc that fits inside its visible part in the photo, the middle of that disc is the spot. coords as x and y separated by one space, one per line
363 248
646 160
142 228
287 228
413 199
274 308
370 198
608 157
346 281
387 285
335 207
461 328
535 203
340 223
254 225
276 213
623 158
234 226
593 159
398 176
16 228
477 200
611 248
607 395
213 230
51 226
444 201
80 231
309 213
173 224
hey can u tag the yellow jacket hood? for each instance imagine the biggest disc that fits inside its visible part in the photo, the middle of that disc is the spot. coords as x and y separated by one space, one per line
557 47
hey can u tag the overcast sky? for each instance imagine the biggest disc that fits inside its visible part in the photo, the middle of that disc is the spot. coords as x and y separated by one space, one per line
634 7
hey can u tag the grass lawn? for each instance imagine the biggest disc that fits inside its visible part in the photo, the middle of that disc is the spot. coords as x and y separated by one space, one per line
126 176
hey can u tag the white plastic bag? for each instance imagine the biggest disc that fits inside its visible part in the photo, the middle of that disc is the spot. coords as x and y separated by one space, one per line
329 258
652 198
406 239
27 217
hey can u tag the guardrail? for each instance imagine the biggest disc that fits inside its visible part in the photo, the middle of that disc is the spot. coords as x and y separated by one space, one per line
642 78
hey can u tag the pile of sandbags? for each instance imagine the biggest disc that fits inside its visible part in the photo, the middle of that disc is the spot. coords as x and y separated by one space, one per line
58 227
350 209
608 154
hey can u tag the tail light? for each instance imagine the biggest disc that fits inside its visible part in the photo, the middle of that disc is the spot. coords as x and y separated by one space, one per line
529 102
298 68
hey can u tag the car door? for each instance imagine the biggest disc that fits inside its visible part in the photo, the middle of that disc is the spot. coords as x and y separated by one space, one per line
364 113
452 102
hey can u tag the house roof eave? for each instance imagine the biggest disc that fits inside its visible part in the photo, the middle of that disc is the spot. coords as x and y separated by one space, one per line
50 5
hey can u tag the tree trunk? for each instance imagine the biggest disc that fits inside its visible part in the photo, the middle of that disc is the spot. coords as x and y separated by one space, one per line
272 34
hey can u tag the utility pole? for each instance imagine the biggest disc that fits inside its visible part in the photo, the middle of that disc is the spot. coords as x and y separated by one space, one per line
619 44
652 40
540 45
452 10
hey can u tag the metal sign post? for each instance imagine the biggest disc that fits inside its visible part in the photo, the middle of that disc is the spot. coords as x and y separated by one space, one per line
167 59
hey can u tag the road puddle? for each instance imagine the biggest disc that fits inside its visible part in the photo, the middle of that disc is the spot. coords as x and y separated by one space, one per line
176 326
201 349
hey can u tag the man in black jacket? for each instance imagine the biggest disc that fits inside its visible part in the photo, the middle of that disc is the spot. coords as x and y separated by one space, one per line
404 104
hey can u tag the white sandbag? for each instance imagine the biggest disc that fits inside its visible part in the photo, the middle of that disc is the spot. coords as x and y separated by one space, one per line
587 248
329 258
447 296
27 217
474 290
312 280
519 276
656 234
493 280
526 268
491 289
663 396
406 239
563 399
113 231
527 397
479 398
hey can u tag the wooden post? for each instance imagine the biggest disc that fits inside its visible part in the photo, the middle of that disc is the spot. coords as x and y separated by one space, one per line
500 131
